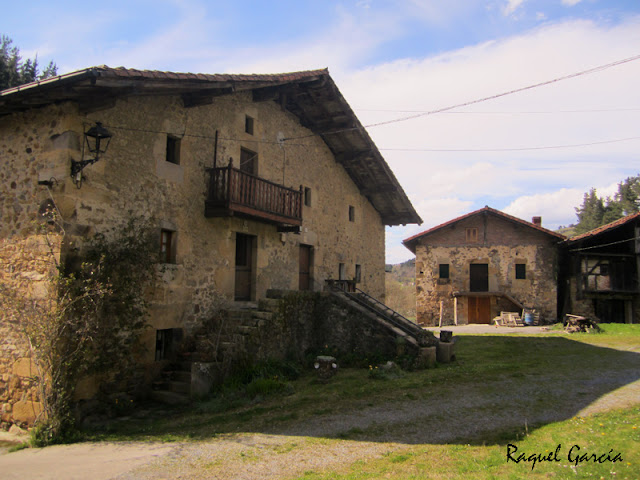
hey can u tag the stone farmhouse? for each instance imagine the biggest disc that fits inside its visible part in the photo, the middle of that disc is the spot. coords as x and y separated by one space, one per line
473 267
601 271
255 182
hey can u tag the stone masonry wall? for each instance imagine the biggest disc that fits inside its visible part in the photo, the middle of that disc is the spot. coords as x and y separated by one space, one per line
501 245
134 179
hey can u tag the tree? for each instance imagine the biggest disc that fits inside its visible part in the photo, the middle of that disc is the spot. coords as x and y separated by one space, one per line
590 213
14 72
628 195
596 211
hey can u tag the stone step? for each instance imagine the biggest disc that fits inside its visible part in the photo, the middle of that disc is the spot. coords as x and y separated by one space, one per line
262 315
247 329
181 366
181 376
180 387
268 305
169 398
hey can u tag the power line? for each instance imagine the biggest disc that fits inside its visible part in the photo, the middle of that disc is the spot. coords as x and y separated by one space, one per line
399 149
604 245
531 112
480 100
516 149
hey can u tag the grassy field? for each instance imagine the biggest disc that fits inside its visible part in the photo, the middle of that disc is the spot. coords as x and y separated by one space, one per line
505 396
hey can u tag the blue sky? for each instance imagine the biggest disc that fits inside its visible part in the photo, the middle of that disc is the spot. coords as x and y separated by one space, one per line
531 153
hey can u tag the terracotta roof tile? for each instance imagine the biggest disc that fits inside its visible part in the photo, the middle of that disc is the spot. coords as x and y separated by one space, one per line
604 228
485 209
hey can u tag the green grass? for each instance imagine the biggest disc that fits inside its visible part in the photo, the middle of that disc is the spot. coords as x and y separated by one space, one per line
557 374
617 430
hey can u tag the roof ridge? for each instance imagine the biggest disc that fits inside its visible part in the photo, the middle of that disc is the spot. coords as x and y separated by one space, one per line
604 228
487 209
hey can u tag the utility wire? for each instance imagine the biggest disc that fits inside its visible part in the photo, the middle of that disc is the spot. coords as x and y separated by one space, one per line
604 245
532 112
517 149
480 100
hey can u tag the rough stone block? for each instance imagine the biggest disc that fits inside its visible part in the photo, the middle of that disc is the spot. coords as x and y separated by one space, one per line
203 376
24 367
445 352
26 411
426 357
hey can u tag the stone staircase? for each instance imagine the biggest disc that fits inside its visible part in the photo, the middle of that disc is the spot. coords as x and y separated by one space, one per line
180 380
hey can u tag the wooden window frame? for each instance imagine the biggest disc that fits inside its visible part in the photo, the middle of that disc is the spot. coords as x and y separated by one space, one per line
249 124
342 271
167 246
443 271
252 157
173 149
471 234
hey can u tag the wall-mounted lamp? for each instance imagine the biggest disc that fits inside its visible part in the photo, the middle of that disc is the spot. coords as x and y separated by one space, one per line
97 140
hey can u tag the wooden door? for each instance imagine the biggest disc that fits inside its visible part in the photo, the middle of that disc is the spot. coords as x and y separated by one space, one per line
479 277
305 268
479 310
244 266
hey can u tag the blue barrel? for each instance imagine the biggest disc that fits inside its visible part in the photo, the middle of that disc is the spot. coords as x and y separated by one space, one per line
528 319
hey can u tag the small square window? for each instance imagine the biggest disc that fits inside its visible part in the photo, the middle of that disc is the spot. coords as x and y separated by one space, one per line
173 150
248 124
307 196
352 213
521 271
167 246
443 270
471 235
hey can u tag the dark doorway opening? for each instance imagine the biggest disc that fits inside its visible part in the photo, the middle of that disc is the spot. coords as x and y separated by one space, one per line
479 277
244 267
305 268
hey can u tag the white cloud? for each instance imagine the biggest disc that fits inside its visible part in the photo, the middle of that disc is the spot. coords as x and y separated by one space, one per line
548 182
511 7
570 3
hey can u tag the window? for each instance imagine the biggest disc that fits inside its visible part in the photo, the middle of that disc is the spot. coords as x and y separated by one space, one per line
471 235
167 246
248 161
163 343
521 271
173 150
248 124
342 272
307 196
443 270
352 213
358 277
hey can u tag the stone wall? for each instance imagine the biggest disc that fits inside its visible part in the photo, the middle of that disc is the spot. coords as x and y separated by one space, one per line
501 245
134 179
305 324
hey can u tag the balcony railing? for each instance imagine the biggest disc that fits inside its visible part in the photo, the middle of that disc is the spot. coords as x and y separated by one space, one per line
233 192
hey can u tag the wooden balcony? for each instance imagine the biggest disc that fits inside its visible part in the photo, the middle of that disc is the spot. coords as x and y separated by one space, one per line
233 192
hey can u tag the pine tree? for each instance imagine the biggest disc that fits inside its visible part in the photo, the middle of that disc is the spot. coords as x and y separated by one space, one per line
628 195
596 211
14 72
590 213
